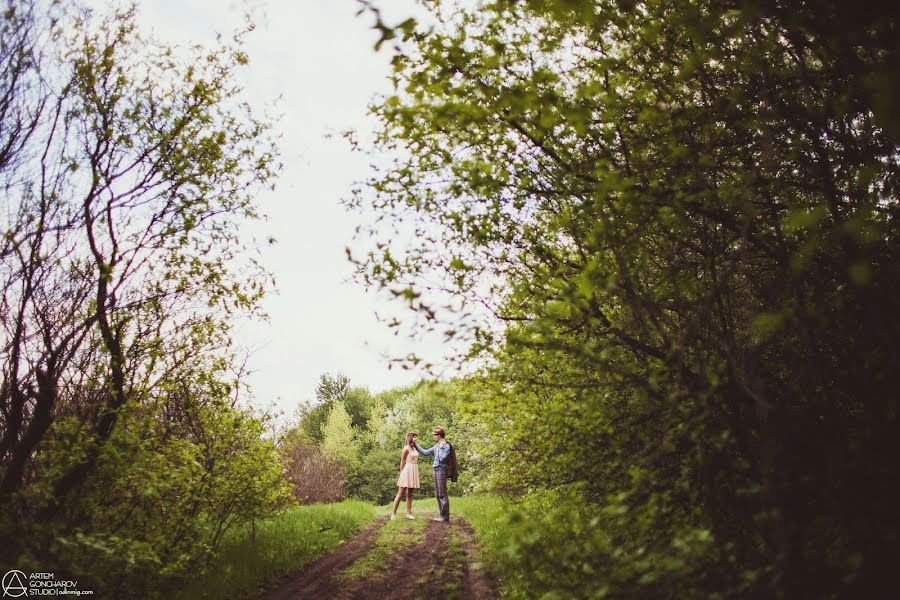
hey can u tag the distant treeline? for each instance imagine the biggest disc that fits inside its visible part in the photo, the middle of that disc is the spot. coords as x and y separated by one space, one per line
348 442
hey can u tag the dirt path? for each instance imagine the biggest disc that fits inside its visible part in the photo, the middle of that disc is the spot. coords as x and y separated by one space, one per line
398 560
315 580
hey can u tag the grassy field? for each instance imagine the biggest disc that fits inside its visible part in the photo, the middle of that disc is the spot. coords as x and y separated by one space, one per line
282 544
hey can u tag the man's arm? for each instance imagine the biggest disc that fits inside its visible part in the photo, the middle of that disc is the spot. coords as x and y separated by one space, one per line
424 451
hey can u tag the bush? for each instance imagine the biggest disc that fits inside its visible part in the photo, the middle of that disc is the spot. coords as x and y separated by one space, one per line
160 502
313 476
376 480
555 545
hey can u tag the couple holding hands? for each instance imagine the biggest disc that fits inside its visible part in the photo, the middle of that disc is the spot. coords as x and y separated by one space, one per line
444 465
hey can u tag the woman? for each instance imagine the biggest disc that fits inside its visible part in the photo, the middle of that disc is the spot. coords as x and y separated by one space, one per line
409 475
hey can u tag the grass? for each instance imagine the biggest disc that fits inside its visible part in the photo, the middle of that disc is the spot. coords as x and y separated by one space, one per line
397 536
485 515
423 508
283 544
456 558
302 534
391 539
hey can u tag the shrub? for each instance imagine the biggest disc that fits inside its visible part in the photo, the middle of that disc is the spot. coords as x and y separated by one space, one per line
313 476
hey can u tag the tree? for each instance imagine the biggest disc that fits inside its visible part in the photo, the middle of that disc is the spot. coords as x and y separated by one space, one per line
312 415
358 402
314 476
24 97
338 437
681 219
128 168
332 387
383 433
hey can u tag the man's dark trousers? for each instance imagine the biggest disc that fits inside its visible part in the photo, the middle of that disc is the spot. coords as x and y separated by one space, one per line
440 490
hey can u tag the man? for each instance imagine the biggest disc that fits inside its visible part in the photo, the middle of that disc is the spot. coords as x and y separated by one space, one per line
441 452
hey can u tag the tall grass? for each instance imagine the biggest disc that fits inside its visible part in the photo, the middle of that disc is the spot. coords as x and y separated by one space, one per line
487 516
280 545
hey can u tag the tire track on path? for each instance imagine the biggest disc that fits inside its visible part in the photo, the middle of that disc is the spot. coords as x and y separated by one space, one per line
315 580
380 563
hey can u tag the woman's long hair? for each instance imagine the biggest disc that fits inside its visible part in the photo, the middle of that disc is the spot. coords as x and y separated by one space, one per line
409 440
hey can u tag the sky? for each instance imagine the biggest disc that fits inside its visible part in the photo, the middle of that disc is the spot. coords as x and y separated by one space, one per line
319 57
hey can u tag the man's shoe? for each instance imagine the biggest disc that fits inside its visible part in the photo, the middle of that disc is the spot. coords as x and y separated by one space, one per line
437 519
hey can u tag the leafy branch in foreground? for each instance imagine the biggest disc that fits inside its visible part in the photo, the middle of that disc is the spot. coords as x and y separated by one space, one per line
129 169
684 216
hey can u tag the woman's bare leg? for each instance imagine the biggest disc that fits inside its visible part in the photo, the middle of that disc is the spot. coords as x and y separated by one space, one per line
408 501
397 499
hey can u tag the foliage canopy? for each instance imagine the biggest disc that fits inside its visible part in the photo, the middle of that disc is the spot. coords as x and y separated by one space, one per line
127 169
683 217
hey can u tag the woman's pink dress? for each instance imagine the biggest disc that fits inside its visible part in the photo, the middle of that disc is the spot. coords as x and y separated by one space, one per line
409 476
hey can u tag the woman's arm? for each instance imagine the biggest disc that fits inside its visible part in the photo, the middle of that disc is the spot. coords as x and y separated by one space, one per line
403 457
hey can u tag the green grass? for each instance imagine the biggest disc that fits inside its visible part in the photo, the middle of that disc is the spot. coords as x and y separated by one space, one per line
453 580
483 513
302 534
283 544
391 539
423 508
